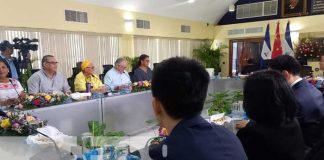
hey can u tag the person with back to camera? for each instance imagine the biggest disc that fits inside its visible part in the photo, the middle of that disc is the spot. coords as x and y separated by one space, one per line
273 132
6 53
310 112
11 91
143 72
179 89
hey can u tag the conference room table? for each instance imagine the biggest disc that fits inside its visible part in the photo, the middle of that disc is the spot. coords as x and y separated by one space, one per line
131 113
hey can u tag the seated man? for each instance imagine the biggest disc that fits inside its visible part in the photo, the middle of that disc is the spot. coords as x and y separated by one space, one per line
179 89
311 103
47 79
87 76
117 78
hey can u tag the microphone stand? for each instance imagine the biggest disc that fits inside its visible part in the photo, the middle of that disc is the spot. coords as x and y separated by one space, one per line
55 145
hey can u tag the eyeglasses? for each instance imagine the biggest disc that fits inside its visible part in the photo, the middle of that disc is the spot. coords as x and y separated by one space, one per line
52 62
91 67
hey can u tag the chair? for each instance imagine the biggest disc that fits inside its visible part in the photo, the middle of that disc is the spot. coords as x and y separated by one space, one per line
71 83
131 76
34 71
317 152
106 68
102 78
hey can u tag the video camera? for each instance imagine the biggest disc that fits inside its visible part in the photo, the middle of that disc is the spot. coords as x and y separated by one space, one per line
25 45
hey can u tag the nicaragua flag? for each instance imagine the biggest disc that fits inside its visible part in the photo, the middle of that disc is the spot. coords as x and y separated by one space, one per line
287 44
266 49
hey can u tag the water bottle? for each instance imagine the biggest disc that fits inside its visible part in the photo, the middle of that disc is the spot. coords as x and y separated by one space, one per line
88 87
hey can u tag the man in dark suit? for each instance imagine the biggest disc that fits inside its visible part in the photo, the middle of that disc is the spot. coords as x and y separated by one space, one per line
179 88
311 103
12 63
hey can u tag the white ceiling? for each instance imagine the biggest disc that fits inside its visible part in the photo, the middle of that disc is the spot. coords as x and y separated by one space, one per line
201 10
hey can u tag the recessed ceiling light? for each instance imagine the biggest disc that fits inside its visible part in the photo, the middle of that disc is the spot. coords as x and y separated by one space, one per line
191 1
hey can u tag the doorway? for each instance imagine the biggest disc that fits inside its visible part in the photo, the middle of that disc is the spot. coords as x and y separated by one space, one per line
243 54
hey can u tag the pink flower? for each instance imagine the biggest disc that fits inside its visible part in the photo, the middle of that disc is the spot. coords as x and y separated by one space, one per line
15 125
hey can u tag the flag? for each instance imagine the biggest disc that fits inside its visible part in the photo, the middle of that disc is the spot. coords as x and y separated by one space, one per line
277 49
266 48
287 45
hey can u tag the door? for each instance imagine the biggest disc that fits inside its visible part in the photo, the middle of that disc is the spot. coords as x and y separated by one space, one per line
243 54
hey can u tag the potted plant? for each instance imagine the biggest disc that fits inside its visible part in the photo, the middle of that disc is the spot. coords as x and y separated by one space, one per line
222 102
210 57
131 62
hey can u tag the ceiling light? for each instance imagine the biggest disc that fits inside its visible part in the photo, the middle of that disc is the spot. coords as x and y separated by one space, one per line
191 1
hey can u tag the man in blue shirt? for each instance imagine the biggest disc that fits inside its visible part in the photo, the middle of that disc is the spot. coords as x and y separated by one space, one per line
6 52
179 88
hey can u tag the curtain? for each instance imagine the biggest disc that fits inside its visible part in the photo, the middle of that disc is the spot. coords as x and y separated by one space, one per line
68 47
161 48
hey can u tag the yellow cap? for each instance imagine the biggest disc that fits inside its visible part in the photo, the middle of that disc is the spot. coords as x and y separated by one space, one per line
85 64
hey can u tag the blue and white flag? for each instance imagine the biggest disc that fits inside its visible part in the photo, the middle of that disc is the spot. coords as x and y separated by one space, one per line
266 48
287 44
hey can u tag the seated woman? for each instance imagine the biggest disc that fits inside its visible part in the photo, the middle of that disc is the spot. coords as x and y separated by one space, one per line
273 132
11 91
87 76
143 72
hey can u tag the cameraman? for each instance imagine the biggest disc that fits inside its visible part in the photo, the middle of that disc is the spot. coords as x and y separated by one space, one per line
12 63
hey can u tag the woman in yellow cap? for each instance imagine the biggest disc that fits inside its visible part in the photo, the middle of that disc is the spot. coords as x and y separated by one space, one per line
87 76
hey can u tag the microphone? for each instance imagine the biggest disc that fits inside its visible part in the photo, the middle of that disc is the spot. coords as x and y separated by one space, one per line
55 145
10 80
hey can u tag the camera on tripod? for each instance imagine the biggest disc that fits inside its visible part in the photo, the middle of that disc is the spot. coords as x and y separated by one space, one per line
24 45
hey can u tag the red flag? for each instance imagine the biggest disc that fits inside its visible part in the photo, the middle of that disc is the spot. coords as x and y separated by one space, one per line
277 49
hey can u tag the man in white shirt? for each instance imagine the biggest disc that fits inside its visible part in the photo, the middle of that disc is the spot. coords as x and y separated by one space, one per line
117 78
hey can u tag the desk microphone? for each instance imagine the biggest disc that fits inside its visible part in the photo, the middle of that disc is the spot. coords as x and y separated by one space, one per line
10 80
55 145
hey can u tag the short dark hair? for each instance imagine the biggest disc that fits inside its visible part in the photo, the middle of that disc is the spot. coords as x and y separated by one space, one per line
180 84
141 58
45 59
268 99
4 45
286 62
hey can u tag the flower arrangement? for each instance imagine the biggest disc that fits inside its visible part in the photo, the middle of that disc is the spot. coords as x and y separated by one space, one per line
141 86
309 49
19 124
42 99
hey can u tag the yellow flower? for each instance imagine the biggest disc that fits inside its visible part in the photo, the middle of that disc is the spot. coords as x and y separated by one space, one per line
48 97
31 97
146 83
30 119
5 123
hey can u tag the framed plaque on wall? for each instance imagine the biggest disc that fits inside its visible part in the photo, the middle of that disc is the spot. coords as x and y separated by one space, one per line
317 7
293 8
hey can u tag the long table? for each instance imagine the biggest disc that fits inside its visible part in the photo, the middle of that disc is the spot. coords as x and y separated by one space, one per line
130 113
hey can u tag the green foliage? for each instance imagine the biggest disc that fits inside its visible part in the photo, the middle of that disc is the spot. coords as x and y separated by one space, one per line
209 56
222 101
96 128
99 137
131 62
26 74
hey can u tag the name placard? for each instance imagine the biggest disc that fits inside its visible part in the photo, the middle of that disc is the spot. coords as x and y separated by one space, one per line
318 6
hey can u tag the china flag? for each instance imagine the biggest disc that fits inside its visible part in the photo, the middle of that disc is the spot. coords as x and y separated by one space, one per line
277 49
